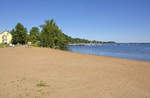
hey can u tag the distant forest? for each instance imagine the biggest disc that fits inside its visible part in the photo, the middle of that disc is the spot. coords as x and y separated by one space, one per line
50 36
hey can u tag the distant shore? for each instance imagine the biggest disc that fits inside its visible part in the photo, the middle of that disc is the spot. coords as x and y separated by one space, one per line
49 73
85 44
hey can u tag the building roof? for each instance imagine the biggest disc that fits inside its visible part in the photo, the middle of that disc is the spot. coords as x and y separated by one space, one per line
4 31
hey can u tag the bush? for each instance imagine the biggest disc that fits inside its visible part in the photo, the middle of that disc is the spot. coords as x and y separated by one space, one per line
35 45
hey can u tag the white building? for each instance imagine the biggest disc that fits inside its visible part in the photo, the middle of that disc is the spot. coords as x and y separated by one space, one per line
5 37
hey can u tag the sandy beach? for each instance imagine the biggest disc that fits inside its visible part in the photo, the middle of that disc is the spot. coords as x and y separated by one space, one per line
49 73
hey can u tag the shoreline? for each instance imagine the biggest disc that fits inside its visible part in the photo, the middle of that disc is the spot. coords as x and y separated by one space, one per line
80 53
123 51
87 54
109 57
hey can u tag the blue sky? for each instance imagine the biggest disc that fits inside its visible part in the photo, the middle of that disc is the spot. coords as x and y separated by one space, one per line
103 20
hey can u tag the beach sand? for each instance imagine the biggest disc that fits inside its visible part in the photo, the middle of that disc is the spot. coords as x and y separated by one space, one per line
49 73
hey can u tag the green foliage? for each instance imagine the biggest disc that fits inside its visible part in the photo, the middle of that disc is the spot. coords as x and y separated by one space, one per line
79 40
19 34
35 44
34 34
51 36
4 45
27 38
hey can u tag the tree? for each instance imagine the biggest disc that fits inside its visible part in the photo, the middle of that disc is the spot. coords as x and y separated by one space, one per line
34 34
15 36
52 36
19 34
27 38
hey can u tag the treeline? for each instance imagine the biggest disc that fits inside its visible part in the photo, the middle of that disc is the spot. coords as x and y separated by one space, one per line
49 36
80 40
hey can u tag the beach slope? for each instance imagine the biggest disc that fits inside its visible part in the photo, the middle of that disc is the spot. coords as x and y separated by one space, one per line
48 73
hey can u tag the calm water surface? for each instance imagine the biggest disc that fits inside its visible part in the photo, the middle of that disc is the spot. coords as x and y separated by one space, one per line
125 50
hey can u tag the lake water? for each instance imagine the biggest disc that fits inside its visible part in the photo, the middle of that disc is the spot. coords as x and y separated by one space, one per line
134 51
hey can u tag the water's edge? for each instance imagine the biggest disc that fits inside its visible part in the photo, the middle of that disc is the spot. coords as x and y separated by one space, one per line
125 51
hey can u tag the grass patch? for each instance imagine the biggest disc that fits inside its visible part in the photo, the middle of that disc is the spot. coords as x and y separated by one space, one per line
41 84
3 45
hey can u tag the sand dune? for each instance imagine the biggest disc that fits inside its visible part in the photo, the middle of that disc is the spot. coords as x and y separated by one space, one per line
49 73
